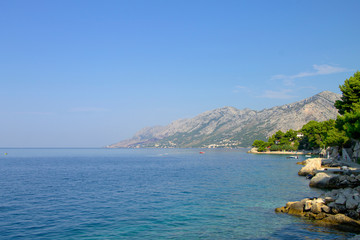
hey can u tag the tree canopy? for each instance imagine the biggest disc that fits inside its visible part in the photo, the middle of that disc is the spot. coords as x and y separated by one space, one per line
327 133
350 94
315 135
350 122
261 145
322 135
349 107
280 141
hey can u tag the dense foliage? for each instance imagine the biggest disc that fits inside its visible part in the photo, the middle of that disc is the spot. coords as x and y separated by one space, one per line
349 107
280 141
322 135
350 122
327 133
350 94
312 135
261 145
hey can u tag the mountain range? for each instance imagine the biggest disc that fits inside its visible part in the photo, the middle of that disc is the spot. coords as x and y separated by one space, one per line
231 127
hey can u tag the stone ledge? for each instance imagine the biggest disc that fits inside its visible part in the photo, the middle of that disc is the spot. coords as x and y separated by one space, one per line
338 208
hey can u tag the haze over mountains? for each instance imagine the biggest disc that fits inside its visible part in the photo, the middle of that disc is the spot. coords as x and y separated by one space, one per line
231 127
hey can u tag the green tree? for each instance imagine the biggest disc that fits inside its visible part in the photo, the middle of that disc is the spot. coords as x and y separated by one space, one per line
261 145
283 141
317 132
351 94
258 143
349 107
279 134
312 130
275 147
336 137
350 122
262 149
295 145
290 134
272 140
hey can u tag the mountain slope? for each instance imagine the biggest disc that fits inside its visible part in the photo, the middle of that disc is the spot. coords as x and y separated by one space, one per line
231 127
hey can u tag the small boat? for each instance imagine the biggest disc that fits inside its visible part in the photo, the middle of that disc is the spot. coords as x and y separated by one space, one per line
296 157
201 152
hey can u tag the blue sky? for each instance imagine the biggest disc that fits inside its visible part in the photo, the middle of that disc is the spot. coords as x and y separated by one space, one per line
92 73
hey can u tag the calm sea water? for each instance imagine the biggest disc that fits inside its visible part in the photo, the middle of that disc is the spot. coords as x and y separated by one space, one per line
151 194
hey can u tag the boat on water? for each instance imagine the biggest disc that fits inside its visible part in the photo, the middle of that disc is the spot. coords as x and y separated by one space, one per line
201 152
295 157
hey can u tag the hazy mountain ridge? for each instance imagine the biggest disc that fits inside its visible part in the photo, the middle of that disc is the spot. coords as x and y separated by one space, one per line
231 127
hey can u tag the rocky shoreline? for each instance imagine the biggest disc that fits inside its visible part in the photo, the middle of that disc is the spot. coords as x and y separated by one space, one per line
254 150
339 206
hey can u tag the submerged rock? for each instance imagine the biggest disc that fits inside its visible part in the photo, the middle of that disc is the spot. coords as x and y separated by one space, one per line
301 163
341 221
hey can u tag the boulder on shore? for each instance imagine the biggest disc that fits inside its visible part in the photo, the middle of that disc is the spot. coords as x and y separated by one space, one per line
338 208
321 180
310 167
327 180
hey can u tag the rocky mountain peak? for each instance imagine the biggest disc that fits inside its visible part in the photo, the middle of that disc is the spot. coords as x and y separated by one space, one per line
231 127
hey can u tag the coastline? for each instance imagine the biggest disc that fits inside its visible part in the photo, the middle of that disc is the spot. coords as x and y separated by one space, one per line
254 151
339 207
280 153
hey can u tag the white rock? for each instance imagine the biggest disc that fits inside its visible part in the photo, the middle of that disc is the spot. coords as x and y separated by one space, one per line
311 166
325 208
308 205
319 200
304 200
328 200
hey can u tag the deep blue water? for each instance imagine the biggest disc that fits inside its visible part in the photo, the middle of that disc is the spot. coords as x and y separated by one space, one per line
151 194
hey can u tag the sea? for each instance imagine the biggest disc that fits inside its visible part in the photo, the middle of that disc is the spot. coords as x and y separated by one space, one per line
152 194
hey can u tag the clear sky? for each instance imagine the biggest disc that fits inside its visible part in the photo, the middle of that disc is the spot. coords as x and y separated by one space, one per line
92 73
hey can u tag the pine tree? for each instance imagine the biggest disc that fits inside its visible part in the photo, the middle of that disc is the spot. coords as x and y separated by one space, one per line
351 94
349 107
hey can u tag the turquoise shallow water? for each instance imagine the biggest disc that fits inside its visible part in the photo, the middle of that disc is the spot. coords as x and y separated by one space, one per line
151 194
